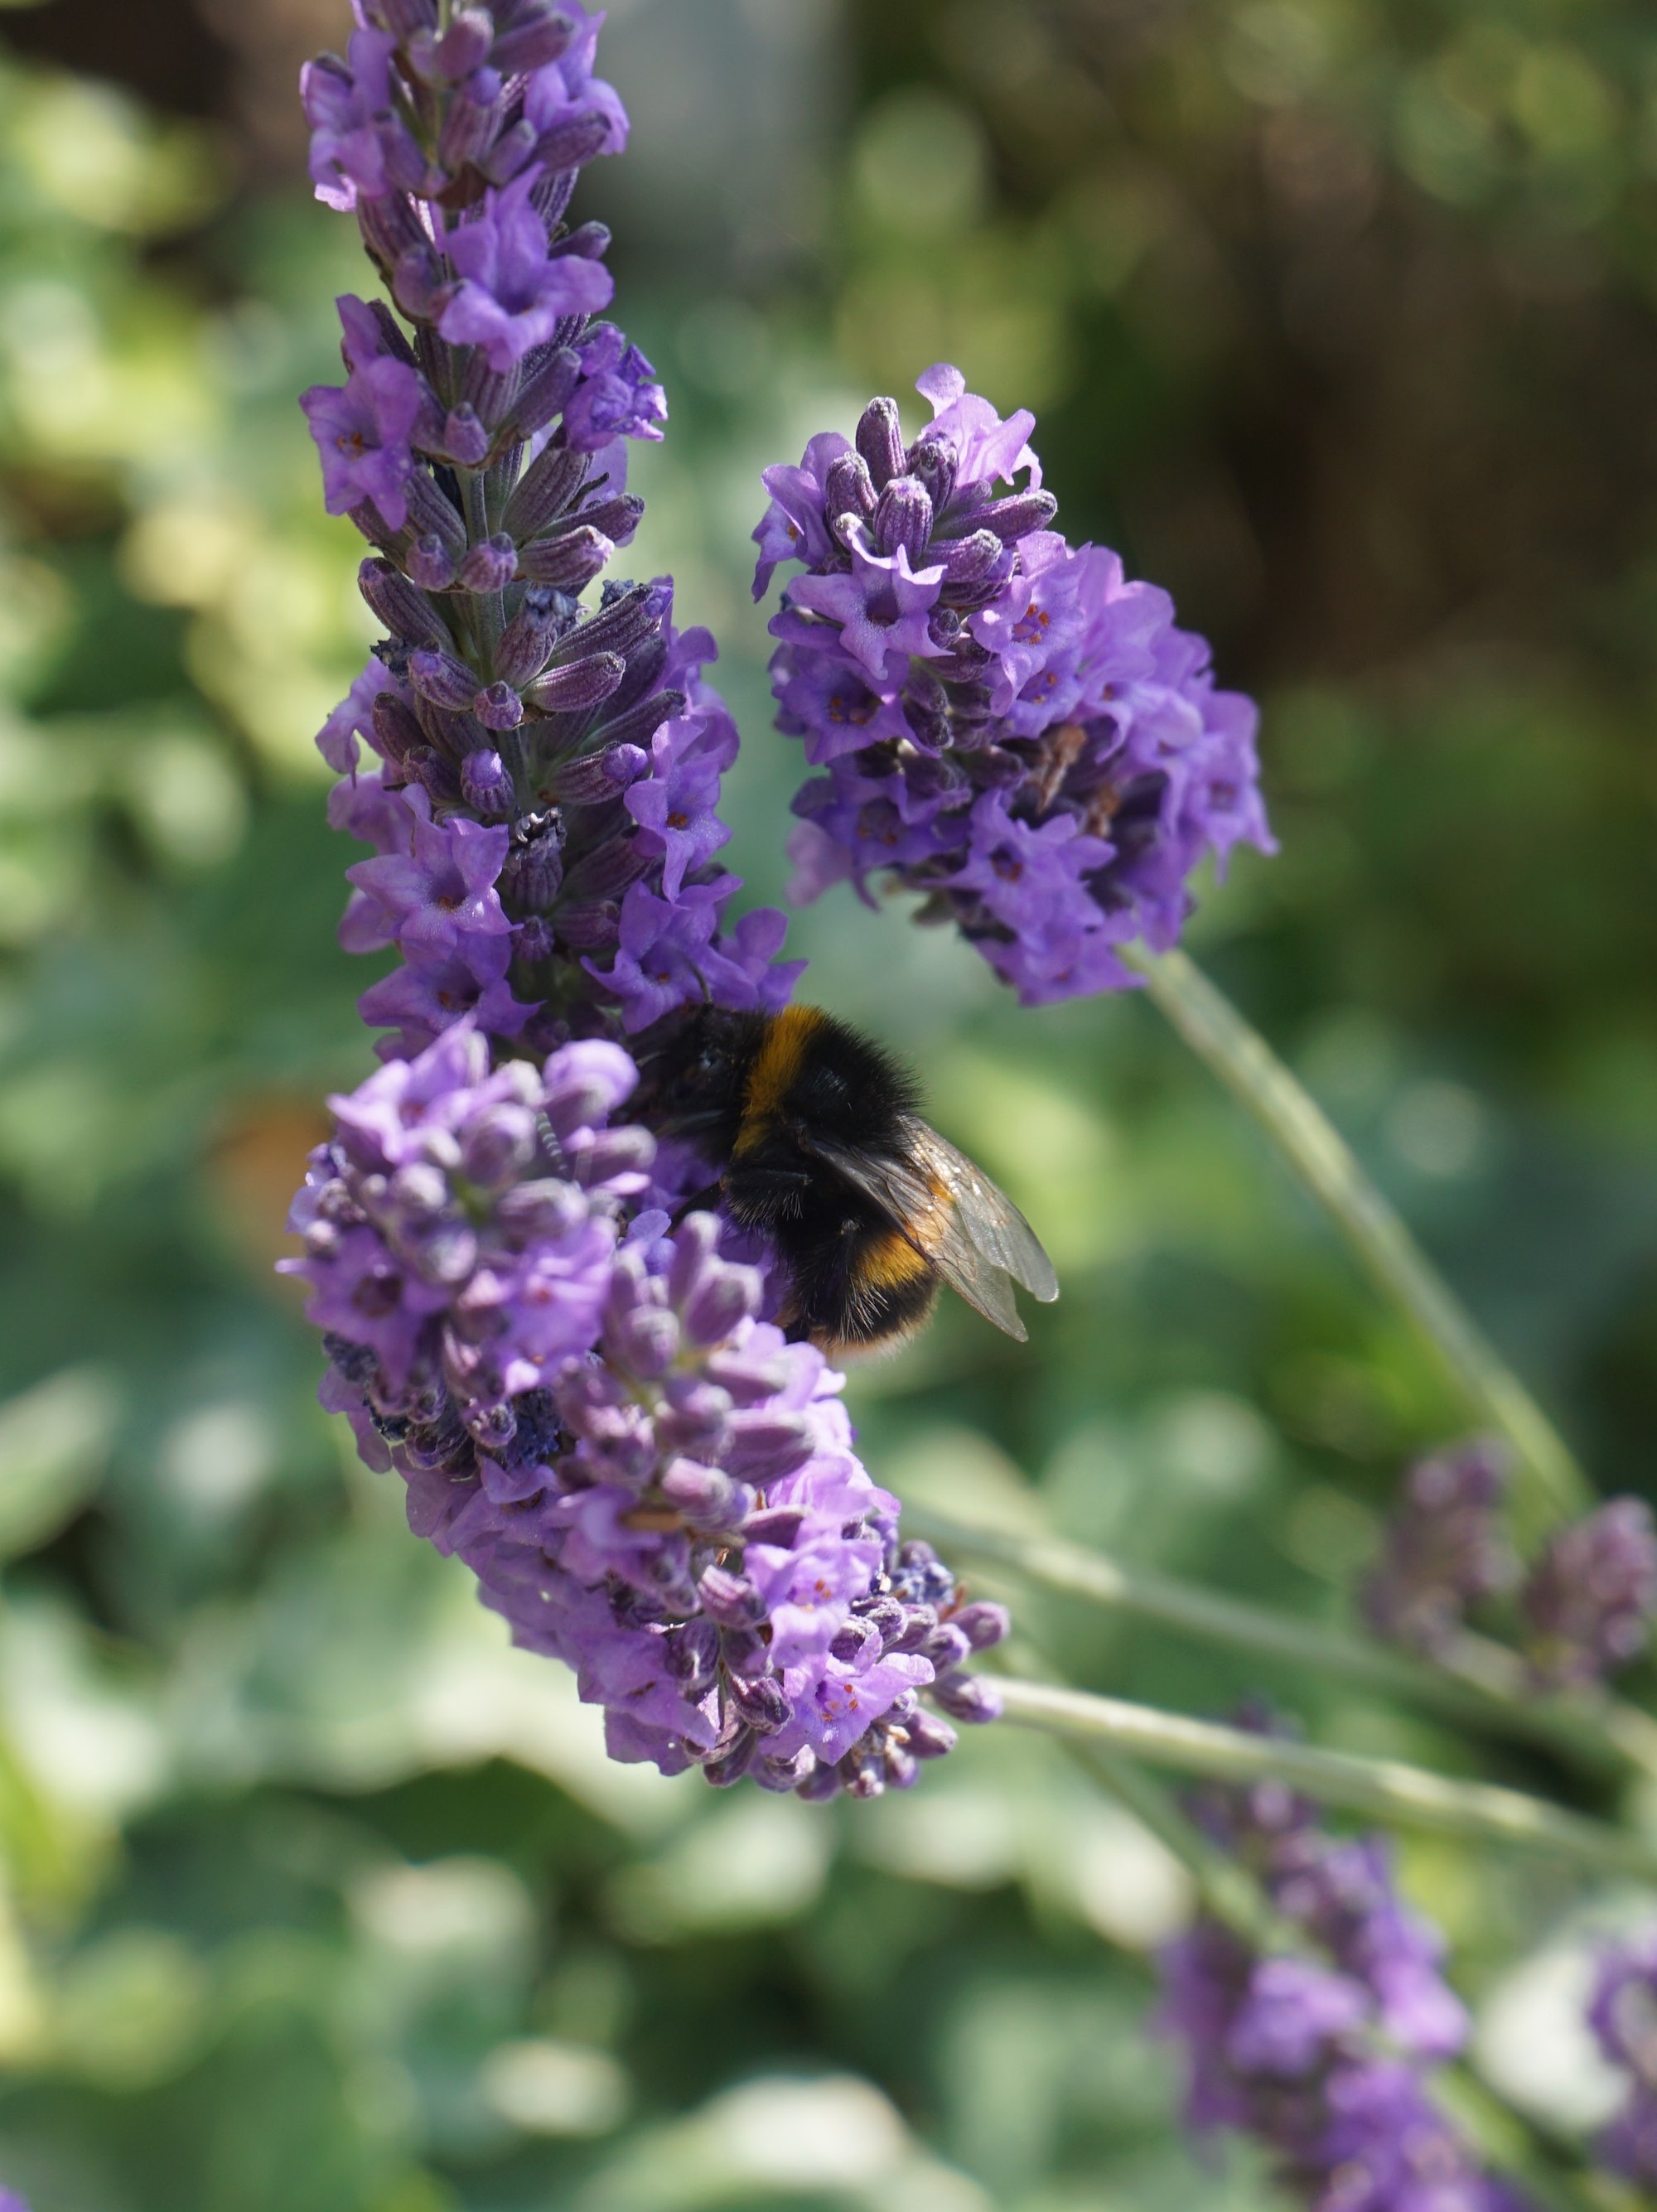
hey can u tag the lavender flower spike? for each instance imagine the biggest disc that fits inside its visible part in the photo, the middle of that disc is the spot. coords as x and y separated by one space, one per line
1325 2060
1589 1600
1445 1547
1623 2015
1007 727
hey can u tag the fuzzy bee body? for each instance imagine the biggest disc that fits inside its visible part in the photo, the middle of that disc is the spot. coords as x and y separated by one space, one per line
821 1148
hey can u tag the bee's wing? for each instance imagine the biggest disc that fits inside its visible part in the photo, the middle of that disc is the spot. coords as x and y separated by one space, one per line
983 1223
955 1217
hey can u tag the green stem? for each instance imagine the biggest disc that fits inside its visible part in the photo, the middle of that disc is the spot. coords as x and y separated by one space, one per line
1321 1156
1481 1685
1383 1788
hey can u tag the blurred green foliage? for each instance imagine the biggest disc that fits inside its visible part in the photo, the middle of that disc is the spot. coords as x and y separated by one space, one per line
1341 320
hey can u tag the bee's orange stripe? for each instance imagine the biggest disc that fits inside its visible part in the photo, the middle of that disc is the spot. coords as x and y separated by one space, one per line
891 1262
776 1067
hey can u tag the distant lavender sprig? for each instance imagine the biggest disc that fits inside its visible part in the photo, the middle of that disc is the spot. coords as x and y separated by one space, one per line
1585 1606
1445 1548
1007 725
1324 2058
588 1405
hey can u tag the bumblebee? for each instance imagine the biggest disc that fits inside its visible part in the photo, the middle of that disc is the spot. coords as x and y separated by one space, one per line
819 1148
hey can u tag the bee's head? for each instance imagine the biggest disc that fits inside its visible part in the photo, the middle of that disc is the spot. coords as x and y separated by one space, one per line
696 1073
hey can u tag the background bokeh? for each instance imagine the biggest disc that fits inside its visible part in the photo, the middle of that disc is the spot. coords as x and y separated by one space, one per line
1340 318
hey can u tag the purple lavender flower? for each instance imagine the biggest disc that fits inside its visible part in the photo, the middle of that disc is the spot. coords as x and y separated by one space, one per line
1008 726
650 1483
1588 1602
1623 2015
362 432
618 395
348 104
513 295
1324 2058
1445 1547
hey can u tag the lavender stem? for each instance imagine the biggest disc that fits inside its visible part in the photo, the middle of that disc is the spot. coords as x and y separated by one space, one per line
1477 1683
1387 1789
1242 1060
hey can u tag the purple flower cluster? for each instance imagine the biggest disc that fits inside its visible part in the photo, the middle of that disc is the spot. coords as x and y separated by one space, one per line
649 1482
542 810
1325 2058
1588 1602
1623 2015
1007 725
1445 1548
1586 1606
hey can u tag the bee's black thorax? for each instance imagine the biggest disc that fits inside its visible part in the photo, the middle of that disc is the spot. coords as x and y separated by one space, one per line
753 1091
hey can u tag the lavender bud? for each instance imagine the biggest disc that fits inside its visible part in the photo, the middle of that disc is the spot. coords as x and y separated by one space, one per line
607 869
396 730
464 46
887 1614
485 786
589 929
404 19
430 564
848 489
719 1304
785 1774
732 1600
434 774
419 285
693 1655
464 438
819 1784
532 44
470 122
644 1341
640 724
406 612
439 676
546 394
732 1761
615 519
968 1697
547 1208
880 441
919 1622
857 1638
525 644
491 1427
534 867
1013 519
594 779
569 563
533 941
588 241
903 518
498 1147
1589 1600
508 153
567 145
929 1736
703 1494
766 1446
932 462
431 510
983 1624
490 565
579 684
624 622
547 488
965 559
762 1703
946 1646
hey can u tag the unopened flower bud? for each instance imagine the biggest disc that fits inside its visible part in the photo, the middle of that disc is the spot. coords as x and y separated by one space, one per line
490 565
537 38
430 563
405 612
485 786
464 438
880 441
464 46
848 488
579 684
498 707
439 676
904 519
